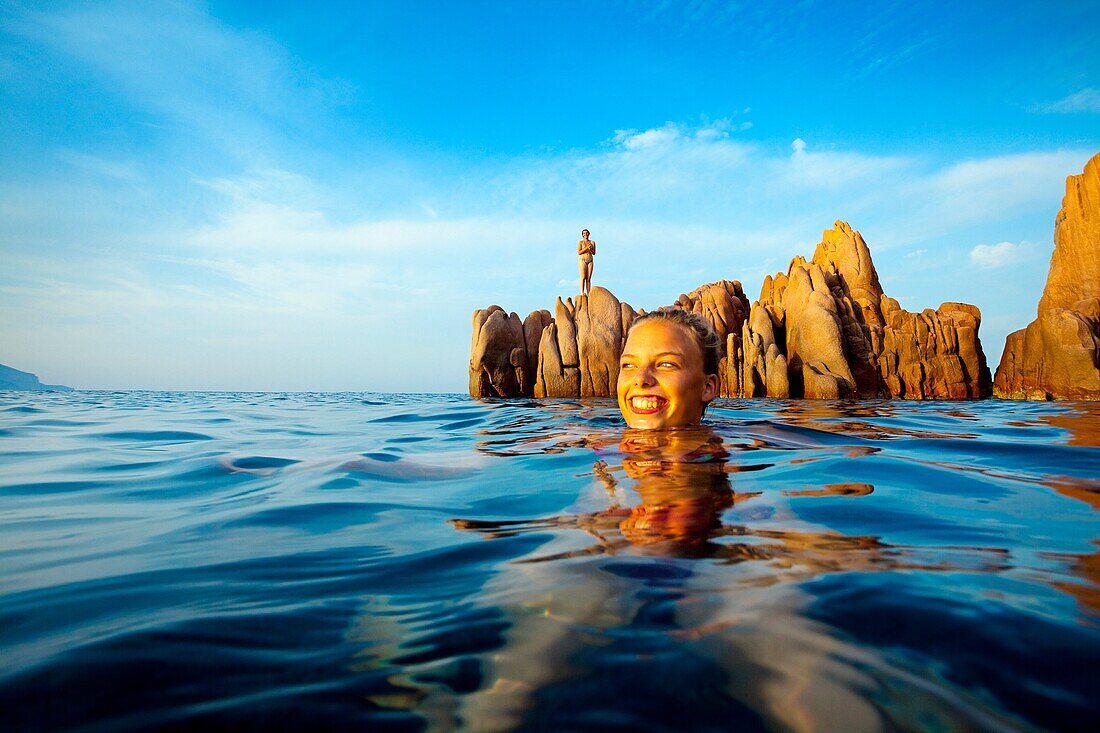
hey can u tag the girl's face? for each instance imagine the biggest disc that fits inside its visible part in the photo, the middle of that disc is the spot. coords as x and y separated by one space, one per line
661 379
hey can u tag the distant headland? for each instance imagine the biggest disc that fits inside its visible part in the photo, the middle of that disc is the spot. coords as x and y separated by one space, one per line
14 379
825 330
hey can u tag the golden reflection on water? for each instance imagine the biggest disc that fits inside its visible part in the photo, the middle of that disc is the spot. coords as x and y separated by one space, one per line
682 481
1083 427
674 494
854 419
680 485
665 494
1081 422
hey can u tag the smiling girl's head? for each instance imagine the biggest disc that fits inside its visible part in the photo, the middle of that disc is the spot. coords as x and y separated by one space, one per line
668 371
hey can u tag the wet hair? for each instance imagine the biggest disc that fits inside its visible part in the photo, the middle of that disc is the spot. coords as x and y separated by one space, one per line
585 231
699 328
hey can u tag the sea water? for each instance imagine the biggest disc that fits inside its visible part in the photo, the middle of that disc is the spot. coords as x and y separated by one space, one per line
411 562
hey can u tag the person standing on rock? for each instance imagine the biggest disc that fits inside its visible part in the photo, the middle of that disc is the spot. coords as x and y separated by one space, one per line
586 249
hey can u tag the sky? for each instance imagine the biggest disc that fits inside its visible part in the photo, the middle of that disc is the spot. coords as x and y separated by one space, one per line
275 196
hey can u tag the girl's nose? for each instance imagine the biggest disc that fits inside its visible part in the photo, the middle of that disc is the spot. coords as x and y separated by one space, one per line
644 377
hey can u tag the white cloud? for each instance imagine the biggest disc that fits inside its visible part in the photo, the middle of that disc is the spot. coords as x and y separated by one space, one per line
929 203
710 133
1086 100
672 133
692 175
997 255
916 253
657 136
798 147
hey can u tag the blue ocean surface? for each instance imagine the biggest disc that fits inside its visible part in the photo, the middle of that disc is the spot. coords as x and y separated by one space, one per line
183 561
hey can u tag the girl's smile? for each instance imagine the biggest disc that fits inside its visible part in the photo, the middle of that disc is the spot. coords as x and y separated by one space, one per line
662 382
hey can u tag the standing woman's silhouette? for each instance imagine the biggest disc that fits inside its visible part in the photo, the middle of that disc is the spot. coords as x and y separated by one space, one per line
586 249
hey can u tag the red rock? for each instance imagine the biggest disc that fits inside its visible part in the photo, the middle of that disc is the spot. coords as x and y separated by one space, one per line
496 369
1057 356
599 341
828 324
724 305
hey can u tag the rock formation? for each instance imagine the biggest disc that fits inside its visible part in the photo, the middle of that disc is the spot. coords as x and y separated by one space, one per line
574 353
724 304
1057 356
503 351
823 330
494 340
14 379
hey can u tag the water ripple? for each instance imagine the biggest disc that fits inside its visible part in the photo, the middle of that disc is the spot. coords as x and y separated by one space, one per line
313 561
171 436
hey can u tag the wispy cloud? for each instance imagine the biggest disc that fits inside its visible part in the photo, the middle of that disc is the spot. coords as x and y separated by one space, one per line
980 190
185 71
992 256
701 174
1086 100
655 137
97 166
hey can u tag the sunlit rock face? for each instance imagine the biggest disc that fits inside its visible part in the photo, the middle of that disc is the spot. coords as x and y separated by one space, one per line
572 353
1057 356
725 306
825 330
578 353
822 330
498 356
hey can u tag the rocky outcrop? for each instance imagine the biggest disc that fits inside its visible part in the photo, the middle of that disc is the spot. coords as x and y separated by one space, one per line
498 355
578 353
825 330
724 304
11 378
504 352
574 353
1057 356
822 330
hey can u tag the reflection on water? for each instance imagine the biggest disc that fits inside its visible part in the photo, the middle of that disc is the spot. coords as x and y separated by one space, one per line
730 623
423 561
680 480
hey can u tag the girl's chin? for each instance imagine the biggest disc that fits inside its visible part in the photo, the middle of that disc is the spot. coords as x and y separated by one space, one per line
668 416
654 422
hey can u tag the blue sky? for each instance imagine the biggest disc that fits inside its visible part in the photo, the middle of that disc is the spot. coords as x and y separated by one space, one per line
260 196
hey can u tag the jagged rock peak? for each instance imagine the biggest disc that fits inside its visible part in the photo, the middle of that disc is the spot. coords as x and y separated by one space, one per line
1057 356
829 326
843 250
